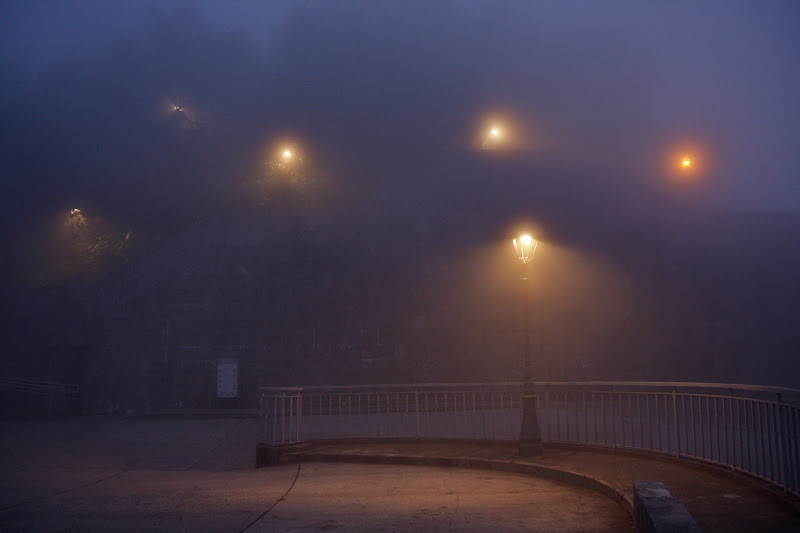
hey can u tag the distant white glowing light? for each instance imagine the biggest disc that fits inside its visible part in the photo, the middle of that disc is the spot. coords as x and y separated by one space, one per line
494 136
179 114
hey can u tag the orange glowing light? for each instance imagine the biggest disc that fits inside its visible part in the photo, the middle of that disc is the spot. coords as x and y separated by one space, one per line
287 154
688 164
494 136
525 247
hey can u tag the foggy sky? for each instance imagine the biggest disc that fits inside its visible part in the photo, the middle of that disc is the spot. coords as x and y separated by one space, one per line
377 94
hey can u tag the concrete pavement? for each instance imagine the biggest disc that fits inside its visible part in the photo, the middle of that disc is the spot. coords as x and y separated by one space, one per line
718 500
105 473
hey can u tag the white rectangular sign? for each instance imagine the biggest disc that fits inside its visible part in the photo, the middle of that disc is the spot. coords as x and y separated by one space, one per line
227 378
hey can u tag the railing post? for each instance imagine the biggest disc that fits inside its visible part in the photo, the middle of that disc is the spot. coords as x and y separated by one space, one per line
300 415
548 415
675 420
739 432
727 421
416 408
605 426
467 433
779 436
280 415
290 406
613 395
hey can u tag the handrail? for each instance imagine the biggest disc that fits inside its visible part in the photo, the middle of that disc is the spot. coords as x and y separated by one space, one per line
512 384
749 428
37 387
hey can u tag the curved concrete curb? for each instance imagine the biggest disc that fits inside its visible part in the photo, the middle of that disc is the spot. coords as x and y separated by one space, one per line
764 485
520 467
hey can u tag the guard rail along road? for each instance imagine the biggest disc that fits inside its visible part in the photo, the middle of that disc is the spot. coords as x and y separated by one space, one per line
746 428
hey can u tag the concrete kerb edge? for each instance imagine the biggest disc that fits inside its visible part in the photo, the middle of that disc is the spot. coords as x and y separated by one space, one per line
519 467
759 483
273 454
383 440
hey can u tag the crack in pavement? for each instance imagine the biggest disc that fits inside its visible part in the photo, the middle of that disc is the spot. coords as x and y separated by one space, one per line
279 500
59 493
458 503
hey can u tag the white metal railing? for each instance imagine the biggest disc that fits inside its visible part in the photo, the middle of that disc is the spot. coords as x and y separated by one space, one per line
39 388
281 415
747 428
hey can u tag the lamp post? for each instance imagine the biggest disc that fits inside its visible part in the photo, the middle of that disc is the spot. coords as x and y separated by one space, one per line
530 436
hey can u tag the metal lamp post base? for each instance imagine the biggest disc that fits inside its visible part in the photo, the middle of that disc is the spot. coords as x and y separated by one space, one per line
530 438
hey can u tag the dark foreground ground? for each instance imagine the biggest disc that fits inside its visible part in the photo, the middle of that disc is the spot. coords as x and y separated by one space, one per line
108 474
103 474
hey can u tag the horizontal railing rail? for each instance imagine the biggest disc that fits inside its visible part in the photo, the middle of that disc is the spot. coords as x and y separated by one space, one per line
746 428
43 388
649 385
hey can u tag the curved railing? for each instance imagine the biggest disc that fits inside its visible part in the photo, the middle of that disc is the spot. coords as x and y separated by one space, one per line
747 428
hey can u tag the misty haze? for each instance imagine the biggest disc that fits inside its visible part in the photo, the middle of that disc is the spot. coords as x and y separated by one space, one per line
203 204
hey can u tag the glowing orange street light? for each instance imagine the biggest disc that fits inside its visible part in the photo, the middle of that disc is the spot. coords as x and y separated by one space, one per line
530 435
494 136
525 247
287 154
686 162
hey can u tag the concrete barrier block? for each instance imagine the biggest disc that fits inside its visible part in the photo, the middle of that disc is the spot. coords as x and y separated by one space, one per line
656 511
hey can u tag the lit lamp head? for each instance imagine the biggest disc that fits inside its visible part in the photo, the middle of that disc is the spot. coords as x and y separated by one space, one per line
525 246
493 137
686 162
287 155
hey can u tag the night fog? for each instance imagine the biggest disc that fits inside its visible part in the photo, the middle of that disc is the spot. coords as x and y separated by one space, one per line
315 189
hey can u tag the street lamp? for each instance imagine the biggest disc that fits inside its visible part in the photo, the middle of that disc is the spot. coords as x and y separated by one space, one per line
530 436
493 137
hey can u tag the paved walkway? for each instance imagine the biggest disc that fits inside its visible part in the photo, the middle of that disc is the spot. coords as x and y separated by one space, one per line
718 500
110 474
105 473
